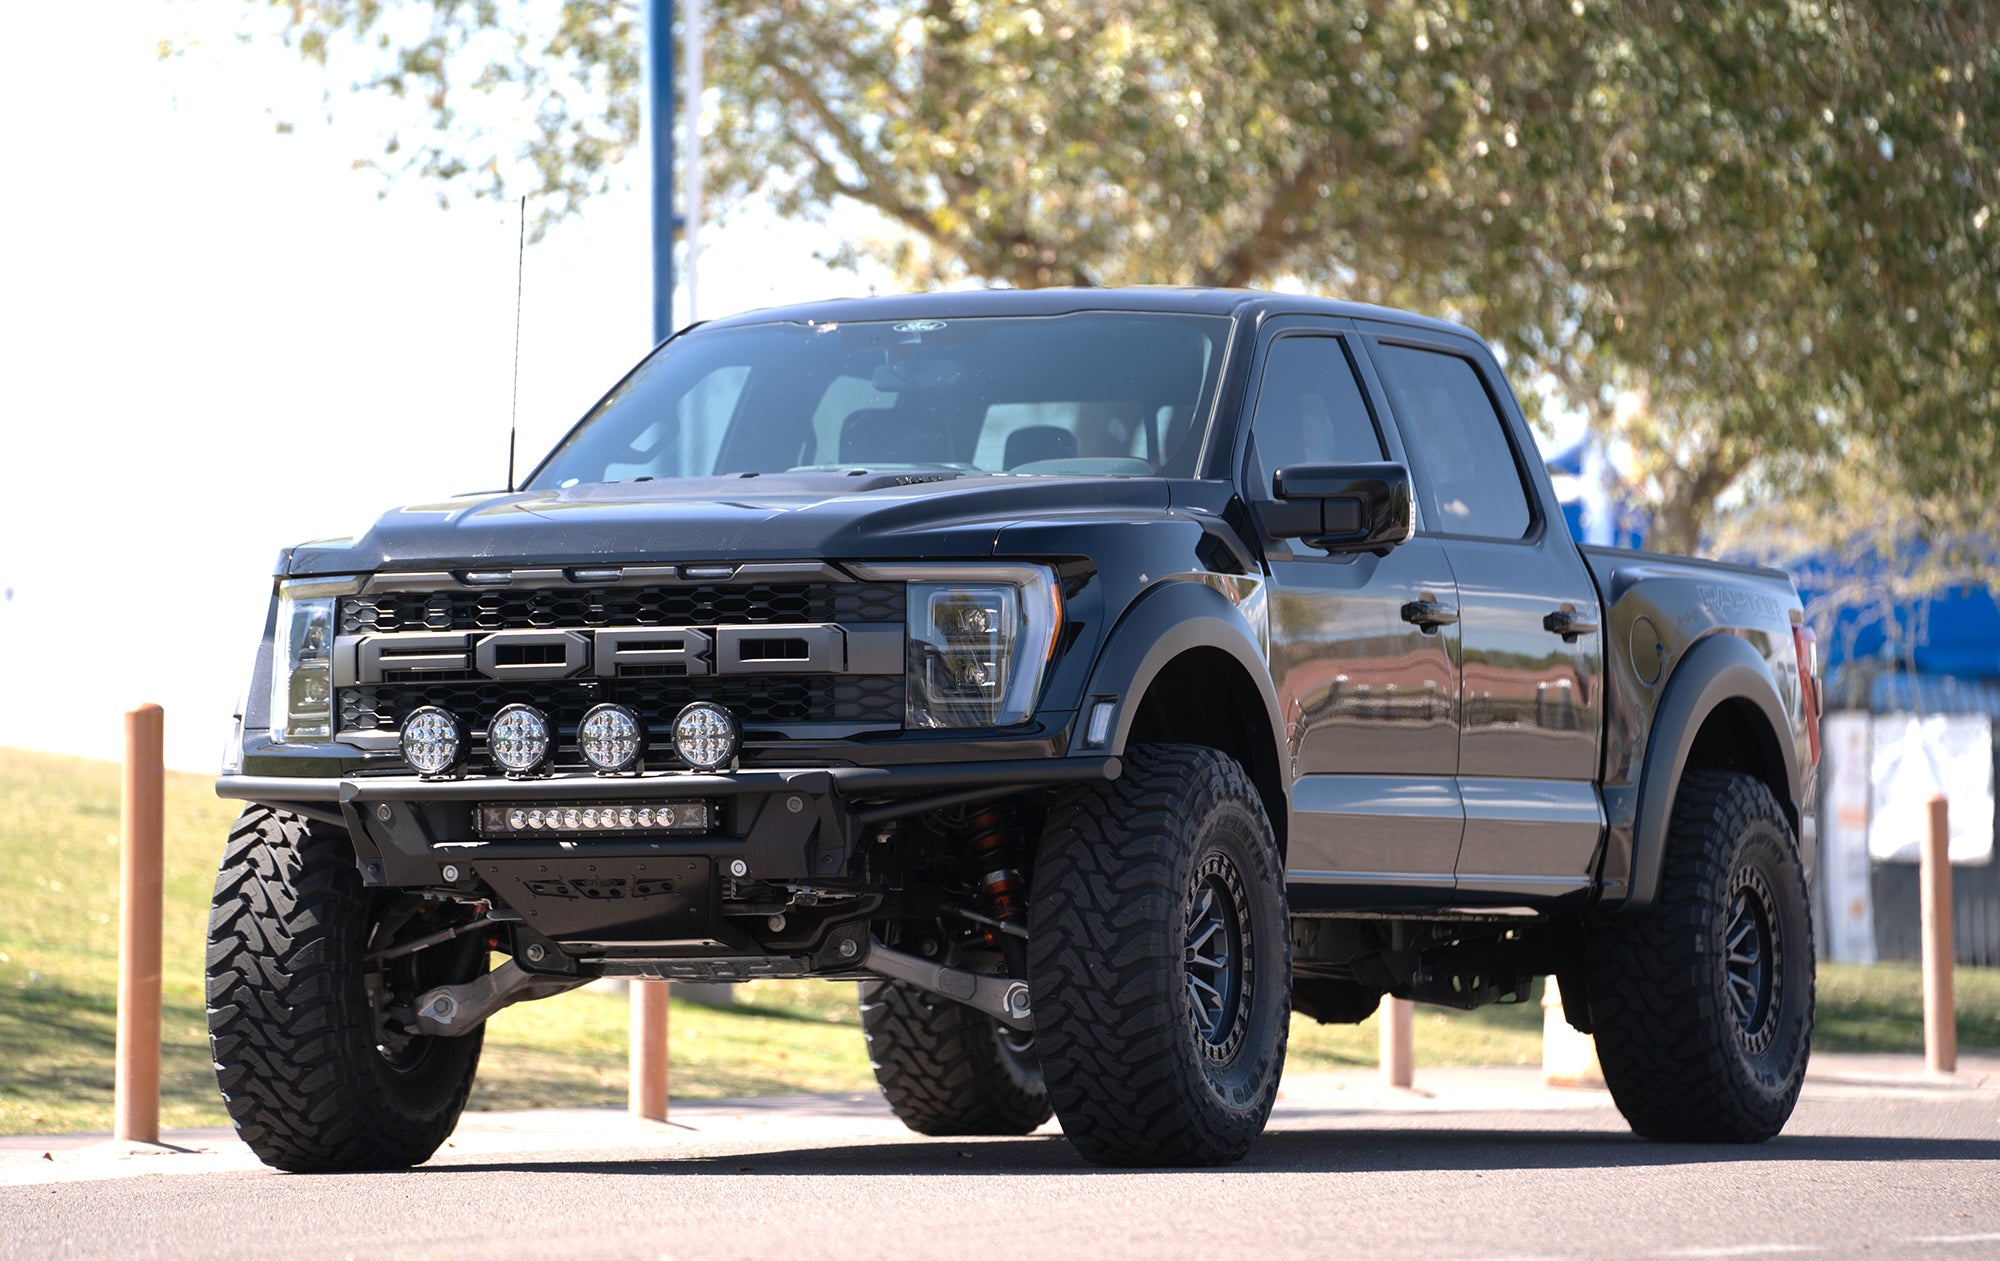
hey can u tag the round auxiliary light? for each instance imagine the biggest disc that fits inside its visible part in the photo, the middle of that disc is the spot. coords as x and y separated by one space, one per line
520 739
706 736
612 739
433 742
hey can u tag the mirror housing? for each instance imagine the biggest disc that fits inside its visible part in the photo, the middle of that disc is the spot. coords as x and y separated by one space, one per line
1341 507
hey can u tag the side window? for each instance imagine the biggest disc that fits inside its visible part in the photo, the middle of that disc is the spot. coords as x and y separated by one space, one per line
1310 410
1467 478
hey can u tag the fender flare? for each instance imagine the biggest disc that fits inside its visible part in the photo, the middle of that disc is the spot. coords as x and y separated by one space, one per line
1719 668
1173 618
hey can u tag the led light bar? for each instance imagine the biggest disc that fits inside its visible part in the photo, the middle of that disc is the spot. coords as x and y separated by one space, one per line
596 818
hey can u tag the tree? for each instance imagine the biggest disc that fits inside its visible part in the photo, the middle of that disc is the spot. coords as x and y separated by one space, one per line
1769 224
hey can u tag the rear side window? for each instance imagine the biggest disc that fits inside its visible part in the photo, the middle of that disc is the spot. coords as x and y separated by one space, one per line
1310 409
1467 479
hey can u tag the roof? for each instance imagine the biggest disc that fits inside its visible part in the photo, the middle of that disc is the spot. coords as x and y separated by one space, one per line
971 303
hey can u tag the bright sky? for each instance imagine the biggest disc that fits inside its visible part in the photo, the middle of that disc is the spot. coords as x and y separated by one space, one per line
218 341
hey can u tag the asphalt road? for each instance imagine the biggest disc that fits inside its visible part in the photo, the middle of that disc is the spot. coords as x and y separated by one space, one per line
1478 1164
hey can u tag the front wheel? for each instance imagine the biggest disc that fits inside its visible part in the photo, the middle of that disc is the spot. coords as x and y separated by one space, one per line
1159 959
948 1069
308 1025
1703 1004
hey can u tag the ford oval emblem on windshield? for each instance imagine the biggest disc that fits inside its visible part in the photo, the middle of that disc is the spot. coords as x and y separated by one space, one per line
919 326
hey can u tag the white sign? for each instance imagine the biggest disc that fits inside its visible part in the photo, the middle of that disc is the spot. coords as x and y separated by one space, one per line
1844 855
1915 758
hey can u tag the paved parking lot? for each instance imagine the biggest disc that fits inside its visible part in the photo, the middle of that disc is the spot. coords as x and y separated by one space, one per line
1878 1161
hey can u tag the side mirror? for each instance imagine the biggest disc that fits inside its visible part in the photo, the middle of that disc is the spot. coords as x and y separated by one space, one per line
1341 507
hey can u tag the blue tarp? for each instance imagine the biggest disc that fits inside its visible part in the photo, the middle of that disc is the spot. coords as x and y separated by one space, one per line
1956 632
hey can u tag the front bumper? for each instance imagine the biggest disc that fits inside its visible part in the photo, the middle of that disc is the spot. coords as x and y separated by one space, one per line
850 782
681 894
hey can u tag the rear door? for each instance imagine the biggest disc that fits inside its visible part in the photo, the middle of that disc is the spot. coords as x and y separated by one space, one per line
1531 678
1369 698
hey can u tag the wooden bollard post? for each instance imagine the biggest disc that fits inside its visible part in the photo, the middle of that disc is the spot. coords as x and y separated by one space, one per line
648 1091
136 1081
1398 1017
1940 1013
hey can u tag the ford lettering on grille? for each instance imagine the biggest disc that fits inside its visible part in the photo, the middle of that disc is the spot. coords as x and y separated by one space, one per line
609 652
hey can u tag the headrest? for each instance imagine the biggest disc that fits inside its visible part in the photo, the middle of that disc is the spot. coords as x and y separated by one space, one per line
893 435
1038 442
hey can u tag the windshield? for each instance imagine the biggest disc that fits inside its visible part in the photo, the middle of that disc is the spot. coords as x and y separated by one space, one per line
1107 394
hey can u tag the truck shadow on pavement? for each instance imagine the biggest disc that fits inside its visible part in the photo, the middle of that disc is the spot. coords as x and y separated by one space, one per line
1287 1151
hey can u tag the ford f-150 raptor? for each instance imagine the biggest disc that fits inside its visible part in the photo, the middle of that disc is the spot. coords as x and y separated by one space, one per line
1098 676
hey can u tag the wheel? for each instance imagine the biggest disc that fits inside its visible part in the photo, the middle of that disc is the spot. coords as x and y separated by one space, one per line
1703 1005
948 1069
318 1071
1159 961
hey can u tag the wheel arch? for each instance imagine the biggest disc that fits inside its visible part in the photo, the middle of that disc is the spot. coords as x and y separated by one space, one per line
1184 666
1720 711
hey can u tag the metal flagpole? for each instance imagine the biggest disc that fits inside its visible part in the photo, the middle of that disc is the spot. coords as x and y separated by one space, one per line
660 123
647 1053
695 16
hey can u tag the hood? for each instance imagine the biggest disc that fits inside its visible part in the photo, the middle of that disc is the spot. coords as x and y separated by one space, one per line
793 516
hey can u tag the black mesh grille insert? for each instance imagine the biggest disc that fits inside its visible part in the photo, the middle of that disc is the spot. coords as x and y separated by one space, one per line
574 607
766 700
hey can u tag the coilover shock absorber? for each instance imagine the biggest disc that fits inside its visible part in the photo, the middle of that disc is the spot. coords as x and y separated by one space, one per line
996 857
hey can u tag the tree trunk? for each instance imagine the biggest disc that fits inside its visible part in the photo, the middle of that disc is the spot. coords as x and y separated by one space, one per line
1688 494
1677 524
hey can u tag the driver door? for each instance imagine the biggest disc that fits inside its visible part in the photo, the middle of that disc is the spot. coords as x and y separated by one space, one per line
1368 697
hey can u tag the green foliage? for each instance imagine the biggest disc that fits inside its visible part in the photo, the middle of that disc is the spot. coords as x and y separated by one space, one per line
1771 226
506 97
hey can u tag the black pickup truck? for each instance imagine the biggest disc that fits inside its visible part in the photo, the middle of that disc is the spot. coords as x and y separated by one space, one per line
1098 676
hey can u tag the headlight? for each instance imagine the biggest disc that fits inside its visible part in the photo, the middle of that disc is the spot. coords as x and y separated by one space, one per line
302 663
978 647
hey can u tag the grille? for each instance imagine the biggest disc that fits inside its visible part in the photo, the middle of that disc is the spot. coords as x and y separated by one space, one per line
755 700
568 607
656 693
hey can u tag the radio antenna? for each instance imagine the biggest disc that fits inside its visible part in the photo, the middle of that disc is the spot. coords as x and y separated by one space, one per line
514 411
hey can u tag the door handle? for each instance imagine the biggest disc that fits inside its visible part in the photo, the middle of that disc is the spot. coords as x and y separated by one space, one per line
1427 614
1568 623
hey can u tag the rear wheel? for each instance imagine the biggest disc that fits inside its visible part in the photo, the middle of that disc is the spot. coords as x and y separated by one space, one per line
308 1027
948 1069
1159 960
1703 1005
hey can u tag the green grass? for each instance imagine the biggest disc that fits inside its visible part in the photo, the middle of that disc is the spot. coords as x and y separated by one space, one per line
58 957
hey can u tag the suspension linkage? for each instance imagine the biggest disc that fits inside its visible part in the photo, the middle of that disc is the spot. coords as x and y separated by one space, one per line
438 938
987 921
1002 998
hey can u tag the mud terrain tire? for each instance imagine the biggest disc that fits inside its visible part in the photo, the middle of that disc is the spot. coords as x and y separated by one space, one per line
1159 961
1703 1005
310 1081
947 1069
